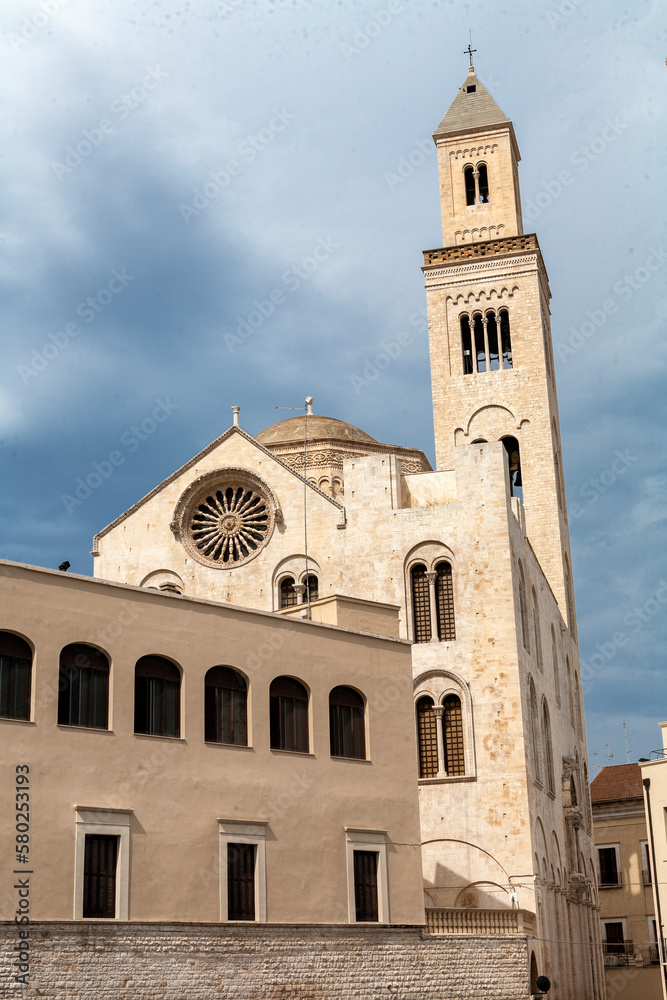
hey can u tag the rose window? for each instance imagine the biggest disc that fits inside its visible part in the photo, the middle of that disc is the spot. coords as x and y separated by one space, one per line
225 517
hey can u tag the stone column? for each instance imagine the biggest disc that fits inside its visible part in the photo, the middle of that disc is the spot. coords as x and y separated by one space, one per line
300 591
438 711
432 577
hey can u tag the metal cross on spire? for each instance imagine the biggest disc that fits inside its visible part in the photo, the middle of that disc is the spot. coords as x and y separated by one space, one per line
470 49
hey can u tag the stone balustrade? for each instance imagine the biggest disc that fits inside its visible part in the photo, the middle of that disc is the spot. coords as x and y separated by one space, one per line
455 920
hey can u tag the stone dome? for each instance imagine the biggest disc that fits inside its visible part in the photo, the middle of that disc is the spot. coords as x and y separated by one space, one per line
291 432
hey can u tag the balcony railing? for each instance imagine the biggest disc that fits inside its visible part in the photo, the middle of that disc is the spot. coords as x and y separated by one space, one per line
455 920
629 953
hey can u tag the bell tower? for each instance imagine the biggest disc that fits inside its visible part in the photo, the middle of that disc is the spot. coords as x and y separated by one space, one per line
488 299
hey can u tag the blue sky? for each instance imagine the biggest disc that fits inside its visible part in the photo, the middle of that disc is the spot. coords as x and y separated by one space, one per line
167 165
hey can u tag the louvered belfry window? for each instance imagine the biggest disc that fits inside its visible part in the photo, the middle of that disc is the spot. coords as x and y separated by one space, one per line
427 735
241 881
288 598
452 731
366 885
444 593
421 604
99 876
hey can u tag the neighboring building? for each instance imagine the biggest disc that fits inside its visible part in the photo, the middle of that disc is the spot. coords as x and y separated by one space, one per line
629 938
450 561
654 781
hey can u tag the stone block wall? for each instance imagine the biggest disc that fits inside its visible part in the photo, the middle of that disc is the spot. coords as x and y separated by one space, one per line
172 961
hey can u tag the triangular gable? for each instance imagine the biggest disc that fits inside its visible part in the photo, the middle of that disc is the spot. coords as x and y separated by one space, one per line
197 458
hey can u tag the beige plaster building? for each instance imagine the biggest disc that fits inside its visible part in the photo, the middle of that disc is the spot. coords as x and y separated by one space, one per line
464 569
624 870
654 781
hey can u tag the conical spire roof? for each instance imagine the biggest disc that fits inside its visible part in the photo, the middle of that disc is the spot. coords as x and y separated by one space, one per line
473 107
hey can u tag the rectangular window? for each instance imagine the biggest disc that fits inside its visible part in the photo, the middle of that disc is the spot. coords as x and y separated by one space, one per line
366 885
241 881
646 863
609 867
99 876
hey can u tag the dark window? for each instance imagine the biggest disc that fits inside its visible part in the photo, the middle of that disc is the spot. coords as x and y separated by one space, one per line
505 340
427 738
523 610
466 345
99 876
15 672
157 696
83 688
511 446
287 593
225 707
444 595
548 748
241 881
614 940
469 177
346 723
483 183
452 733
492 336
289 715
608 867
312 587
421 604
480 347
366 885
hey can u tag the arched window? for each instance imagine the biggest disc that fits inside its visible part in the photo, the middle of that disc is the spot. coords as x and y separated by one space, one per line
483 183
15 675
225 707
554 657
427 738
346 723
289 715
548 748
569 689
537 632
523 610
481 360
505 338
288 597
421 604
312 588
444 597
469 179
569 596
577 705
492 337
466 344
83 687
157 697
511 446
534 731
452 736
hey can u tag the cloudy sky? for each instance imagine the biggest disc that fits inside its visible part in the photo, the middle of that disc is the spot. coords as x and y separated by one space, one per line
166 165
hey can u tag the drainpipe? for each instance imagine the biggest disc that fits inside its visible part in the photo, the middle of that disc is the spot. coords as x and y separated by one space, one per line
646 782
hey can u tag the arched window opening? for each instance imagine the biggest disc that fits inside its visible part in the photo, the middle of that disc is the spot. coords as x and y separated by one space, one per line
15 676
505 339
534 731
548 748
346 723
479 441
288 596
289 715
444 595
337 488
469 177
427 738
569 596
492 334
537 632
452 736
534 988
523 610
569 689
466 345
157 697
312 588
483 183
554 657
225 707
574 798
514 460
480 348
421 604
577 704
83 687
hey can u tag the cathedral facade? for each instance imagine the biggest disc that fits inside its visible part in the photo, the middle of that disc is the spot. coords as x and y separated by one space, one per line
467 565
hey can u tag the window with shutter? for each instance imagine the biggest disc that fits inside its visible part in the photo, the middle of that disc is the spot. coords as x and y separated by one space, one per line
99 876
241 881
366 885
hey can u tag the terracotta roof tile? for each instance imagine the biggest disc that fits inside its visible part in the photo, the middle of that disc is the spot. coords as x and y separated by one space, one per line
624 781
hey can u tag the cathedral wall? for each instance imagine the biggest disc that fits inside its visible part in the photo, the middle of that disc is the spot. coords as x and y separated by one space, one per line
199 961
172 792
